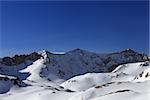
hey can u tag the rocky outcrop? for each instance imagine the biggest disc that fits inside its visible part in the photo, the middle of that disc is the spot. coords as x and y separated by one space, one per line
19 59
6 82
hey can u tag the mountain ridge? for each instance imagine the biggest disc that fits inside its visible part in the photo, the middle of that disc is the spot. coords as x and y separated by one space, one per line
69 64
38 54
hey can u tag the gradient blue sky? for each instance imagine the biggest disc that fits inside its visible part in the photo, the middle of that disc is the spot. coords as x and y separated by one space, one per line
62 26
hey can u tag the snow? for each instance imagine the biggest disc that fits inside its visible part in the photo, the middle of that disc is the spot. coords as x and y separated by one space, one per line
90 86
34 70
131 69
10 77
115 91
143 76
55 52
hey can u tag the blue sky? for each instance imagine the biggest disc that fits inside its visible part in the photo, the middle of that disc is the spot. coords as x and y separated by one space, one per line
61 26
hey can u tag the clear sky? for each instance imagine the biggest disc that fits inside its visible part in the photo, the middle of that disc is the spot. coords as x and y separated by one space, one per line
61 26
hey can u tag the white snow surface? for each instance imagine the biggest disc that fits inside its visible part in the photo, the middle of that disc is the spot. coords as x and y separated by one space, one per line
127 82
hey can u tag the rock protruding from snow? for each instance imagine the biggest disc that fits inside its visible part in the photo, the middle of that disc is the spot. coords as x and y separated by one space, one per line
7 82
12 65
19 59
144 75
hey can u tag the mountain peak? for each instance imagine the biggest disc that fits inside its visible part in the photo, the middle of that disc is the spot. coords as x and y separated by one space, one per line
129 50
43 51
77 50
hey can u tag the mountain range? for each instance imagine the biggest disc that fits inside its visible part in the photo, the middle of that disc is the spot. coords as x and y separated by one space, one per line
75 75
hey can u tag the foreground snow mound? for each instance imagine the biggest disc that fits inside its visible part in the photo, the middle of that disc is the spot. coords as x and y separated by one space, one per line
108 91
115 91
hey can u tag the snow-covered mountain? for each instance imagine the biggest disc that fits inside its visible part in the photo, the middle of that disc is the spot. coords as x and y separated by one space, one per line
75 75
69 64
80 61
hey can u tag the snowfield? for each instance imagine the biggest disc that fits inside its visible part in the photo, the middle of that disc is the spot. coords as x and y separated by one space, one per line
129 81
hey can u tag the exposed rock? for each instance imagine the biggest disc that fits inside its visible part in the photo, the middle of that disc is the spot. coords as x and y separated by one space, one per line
19 59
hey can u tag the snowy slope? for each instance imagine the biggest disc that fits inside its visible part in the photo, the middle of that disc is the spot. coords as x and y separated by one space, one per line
123 73
119 84
116 91
35 76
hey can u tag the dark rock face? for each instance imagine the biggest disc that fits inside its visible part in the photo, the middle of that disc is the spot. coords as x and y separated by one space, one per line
7 82
7 61
135 55
127 56
12 65
19 59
